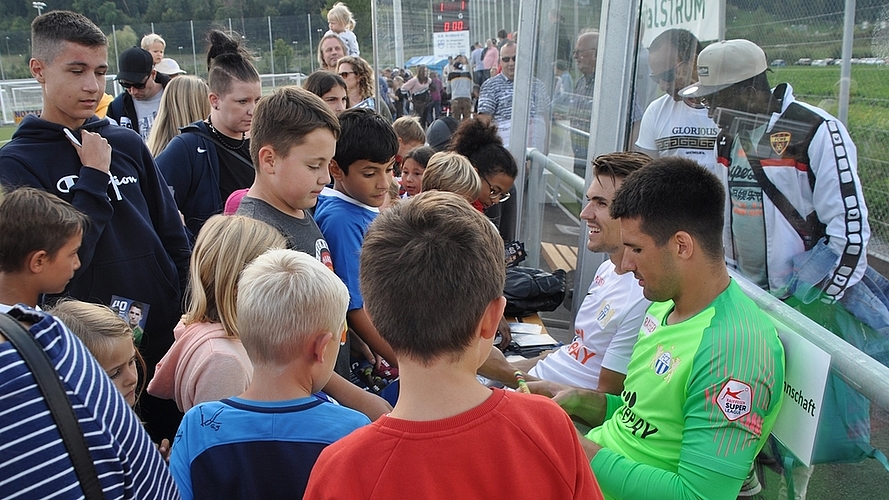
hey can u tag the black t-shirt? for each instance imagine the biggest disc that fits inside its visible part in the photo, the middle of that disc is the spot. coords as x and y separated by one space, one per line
234 174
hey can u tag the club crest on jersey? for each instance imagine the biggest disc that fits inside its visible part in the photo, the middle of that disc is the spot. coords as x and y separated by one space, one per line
779 141
664 363
735 399
605 313
322 253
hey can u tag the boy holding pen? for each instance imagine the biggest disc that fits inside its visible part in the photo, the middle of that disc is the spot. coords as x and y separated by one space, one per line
452 268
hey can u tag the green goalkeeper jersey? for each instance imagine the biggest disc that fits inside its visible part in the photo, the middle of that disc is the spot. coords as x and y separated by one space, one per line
699 401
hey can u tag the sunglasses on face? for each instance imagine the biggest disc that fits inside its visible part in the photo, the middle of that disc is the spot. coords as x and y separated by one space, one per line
137 86
667 76
345 74
507 59
718 99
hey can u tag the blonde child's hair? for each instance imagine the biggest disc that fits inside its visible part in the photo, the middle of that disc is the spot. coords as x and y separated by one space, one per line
98 327
151 39
185 100
394 192
341 13
284 296
408 129
224 246
452 172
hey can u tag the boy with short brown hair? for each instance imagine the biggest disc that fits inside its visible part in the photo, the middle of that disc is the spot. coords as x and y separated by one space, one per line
38 245
451 267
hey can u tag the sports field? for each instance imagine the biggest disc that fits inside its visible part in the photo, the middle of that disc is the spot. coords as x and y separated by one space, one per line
868 124
6 133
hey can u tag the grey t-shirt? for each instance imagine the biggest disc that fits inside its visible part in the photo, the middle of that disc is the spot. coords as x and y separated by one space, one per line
302 235
146 112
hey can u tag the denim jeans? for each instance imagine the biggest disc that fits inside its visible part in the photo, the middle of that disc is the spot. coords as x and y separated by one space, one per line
860 317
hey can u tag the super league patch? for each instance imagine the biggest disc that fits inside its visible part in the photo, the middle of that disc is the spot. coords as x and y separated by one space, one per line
735 399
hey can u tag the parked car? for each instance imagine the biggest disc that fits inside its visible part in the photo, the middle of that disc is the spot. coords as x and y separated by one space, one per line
779 63
803 61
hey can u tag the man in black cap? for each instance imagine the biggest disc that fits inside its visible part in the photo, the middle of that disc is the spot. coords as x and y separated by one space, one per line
137 106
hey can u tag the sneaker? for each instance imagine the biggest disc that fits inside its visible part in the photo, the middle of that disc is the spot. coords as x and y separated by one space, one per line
751 486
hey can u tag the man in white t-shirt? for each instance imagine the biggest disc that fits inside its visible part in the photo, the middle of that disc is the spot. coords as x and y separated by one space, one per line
607 324
673 126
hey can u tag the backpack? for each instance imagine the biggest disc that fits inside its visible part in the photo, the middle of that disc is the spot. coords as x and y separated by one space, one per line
530 290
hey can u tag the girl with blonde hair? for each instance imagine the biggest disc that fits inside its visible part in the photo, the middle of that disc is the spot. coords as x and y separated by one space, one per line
452 172
207 361
109 339
184 101
341 23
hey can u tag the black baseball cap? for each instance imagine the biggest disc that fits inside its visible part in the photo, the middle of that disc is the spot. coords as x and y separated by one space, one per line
136 63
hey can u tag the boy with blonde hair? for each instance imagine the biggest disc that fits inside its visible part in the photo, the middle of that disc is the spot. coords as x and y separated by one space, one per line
452 172
451 266
278 423
154 44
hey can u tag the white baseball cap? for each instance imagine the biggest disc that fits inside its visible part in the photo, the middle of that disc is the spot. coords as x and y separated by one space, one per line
168 66
723 64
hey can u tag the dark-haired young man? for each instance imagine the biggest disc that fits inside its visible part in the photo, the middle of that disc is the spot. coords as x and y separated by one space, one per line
705 380
607 323
673 125
135 245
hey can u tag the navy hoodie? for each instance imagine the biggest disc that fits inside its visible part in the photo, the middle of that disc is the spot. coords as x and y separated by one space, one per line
135 246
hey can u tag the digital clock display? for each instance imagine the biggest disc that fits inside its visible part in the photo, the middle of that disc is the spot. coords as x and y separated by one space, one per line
450 16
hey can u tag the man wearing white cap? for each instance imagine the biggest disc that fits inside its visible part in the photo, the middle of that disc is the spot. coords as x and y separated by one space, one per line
790 170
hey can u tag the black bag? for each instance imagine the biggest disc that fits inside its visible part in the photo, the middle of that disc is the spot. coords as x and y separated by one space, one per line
530 290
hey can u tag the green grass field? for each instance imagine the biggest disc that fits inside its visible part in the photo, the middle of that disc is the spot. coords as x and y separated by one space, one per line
868 125
6 133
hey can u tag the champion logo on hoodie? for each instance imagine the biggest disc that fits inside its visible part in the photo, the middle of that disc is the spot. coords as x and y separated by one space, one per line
65 184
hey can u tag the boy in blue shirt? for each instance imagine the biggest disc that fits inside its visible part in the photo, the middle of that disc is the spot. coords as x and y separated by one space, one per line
362 169
238 447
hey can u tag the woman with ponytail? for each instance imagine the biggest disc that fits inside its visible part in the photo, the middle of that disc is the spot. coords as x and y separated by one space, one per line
211 158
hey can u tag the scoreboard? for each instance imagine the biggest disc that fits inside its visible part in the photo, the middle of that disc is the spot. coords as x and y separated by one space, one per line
450 16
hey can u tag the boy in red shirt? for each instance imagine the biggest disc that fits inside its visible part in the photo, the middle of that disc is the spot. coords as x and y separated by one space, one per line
447 427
